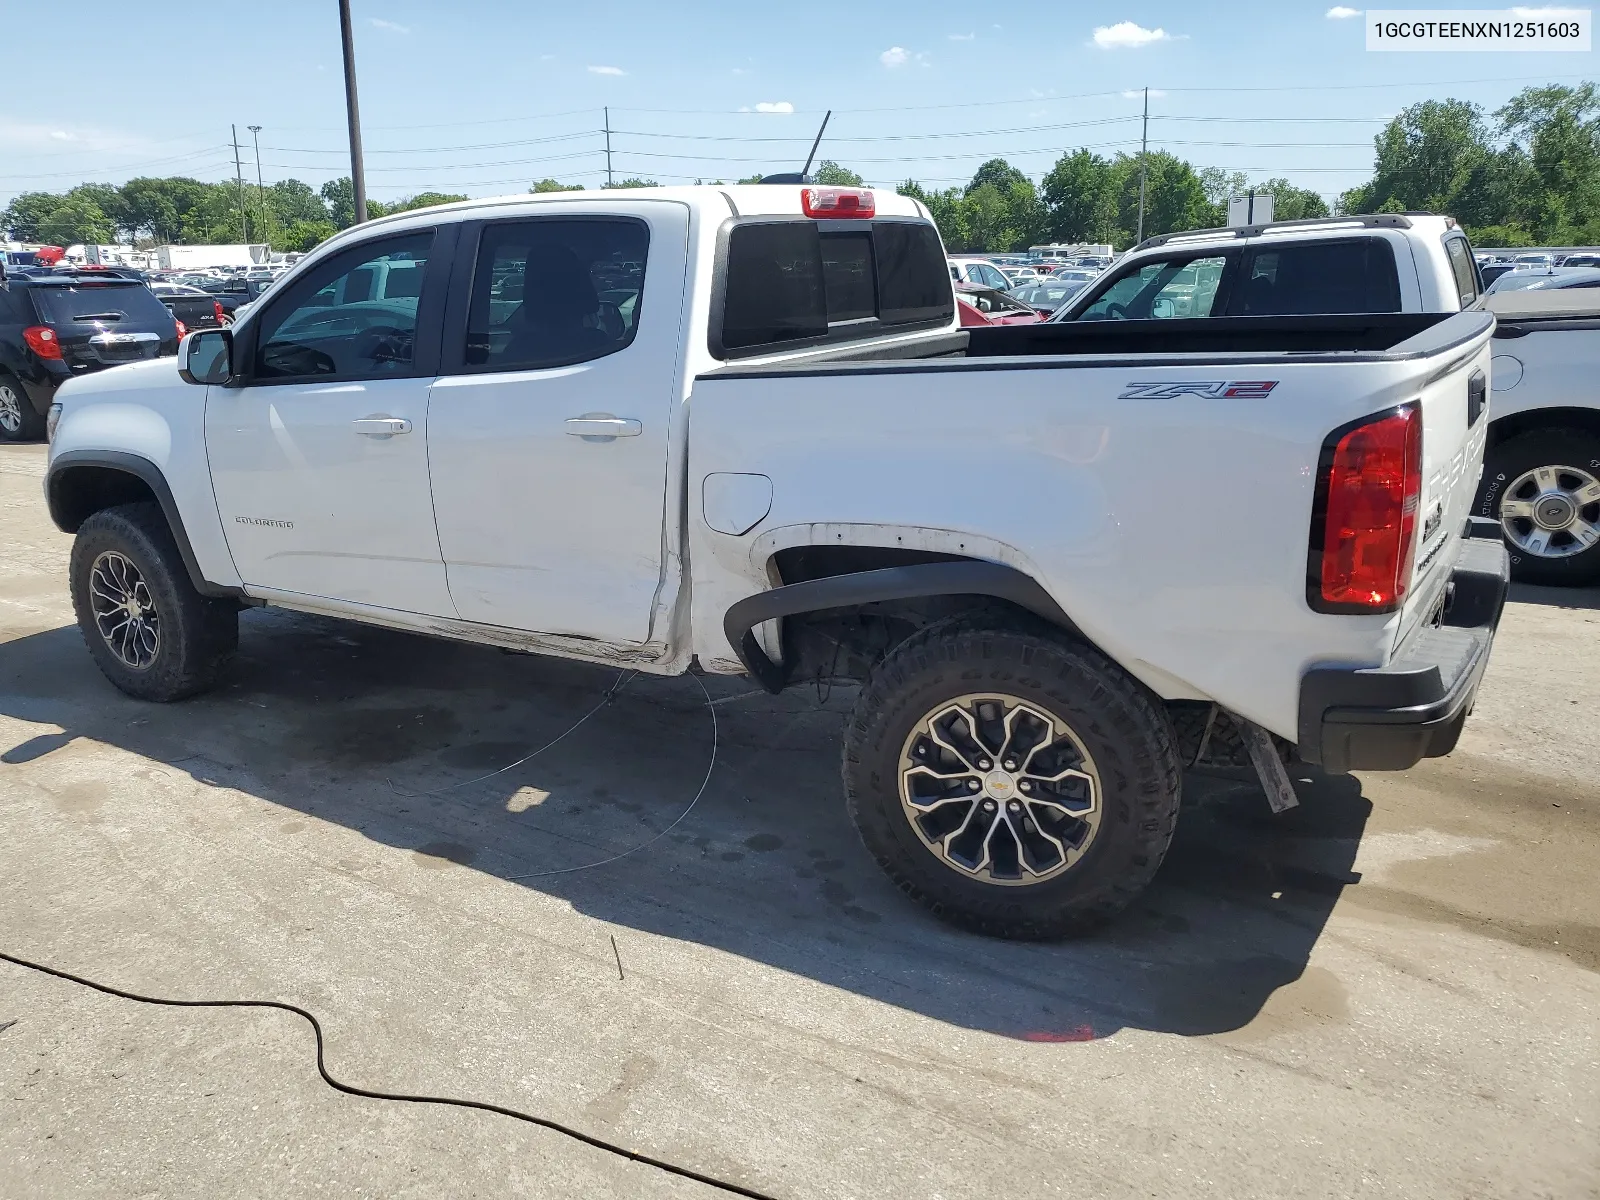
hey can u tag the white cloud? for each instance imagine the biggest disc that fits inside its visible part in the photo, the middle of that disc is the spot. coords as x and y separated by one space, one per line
380 23
895 56
1138 94
1340 13
775 106
741 70
1127 35
606 71
962 37
61 135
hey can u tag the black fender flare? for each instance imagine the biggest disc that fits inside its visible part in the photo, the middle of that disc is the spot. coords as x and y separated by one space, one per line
150 475
970 577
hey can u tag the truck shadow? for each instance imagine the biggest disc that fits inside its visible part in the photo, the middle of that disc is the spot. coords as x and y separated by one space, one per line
406 739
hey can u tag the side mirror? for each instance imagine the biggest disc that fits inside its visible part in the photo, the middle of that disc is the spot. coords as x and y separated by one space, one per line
206 356
1163 308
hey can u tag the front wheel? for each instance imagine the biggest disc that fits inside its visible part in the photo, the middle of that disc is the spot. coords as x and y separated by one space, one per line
149 631
1016 783
1543 487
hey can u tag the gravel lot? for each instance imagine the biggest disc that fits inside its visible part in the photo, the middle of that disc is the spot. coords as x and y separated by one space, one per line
1391 990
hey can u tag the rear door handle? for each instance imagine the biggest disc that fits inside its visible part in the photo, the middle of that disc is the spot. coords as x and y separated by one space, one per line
381 427
603 425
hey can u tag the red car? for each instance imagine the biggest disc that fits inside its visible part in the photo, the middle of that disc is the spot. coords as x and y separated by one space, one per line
986 306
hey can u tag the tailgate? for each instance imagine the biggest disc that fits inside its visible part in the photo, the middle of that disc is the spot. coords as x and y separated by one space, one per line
1455 417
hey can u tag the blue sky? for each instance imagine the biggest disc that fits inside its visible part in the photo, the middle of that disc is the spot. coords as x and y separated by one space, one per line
484 96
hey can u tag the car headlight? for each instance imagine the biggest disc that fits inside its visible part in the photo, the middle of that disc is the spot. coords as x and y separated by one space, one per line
51 420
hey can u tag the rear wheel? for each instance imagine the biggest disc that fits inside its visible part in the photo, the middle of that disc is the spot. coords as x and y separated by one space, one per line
1543 487
149 631
1016 783
19 420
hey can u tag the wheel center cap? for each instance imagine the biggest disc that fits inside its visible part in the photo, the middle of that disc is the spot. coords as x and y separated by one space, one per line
1000 785
1554 511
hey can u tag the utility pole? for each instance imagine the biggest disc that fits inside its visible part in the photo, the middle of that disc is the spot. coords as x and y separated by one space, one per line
358 174
1144 147
607 111
261 191
238 174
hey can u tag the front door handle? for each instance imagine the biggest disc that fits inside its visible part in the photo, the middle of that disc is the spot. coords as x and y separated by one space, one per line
381 427
603 425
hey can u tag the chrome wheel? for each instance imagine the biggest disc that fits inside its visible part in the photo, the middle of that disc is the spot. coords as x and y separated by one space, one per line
1552 512
124 611
1000 790
10 409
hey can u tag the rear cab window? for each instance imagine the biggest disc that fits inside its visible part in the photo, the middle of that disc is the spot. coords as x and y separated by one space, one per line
790 283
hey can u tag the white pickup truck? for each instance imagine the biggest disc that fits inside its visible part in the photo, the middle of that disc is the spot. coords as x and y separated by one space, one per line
740 427
1541 479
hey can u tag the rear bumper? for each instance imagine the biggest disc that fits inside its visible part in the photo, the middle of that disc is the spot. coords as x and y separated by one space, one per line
1389 718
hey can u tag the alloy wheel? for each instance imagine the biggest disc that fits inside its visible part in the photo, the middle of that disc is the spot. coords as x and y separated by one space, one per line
10 409
1000 789
124 611
1552 512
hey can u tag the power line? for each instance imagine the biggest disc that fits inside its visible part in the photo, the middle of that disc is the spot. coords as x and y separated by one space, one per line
562 137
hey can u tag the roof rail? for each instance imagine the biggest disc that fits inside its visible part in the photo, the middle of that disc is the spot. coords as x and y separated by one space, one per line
1369 221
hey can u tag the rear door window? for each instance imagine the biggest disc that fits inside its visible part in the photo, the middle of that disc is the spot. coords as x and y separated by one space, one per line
555 291
1351 275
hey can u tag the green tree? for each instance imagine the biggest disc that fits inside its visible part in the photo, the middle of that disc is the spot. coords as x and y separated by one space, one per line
1426 156
292 201
1080 199
340 197
76 220
1175 199
108 199
25 215
1290 203
304 235
999 173
424 200
1555 134
632 183
550 185
157 206
832 174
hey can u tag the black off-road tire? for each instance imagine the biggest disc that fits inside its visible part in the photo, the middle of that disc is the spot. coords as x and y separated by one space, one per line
1124 728
197 633
1504 463
26 424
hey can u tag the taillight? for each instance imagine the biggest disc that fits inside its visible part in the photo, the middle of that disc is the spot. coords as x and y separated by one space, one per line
1364 523
846 204
183 330
42 340
216 307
